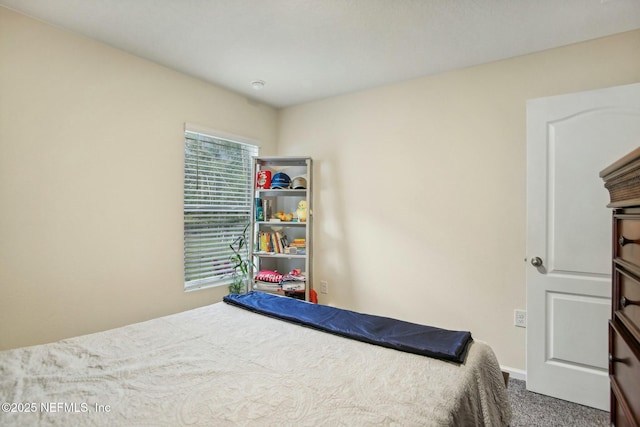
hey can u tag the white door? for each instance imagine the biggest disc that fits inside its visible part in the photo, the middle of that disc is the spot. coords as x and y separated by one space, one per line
570 139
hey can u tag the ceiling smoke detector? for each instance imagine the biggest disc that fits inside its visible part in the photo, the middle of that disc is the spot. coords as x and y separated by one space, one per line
257 84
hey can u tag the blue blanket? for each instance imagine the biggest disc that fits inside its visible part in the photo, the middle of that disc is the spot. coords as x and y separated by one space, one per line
386 332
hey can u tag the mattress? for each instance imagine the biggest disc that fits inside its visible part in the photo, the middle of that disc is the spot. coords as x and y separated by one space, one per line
221 365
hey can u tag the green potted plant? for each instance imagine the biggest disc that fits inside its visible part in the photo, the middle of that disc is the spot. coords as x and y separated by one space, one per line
242 263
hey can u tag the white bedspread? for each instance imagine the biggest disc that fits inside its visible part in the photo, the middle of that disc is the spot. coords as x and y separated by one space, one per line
220 365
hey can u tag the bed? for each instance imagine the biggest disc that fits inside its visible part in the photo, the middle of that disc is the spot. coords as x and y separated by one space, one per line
223 365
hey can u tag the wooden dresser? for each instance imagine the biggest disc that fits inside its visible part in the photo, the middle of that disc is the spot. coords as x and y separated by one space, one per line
622 179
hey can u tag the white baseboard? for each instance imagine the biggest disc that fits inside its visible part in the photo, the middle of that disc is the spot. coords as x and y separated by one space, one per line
518 374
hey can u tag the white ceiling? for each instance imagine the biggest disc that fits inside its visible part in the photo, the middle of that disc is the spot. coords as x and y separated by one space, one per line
311 49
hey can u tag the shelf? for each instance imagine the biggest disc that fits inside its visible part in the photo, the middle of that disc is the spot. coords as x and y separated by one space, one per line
265 233
281 192
282 161
275 255
281 223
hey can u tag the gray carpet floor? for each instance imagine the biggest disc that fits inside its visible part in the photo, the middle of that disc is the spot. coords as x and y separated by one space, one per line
532 409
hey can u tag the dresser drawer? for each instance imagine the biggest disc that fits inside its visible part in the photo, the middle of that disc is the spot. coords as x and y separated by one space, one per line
626 301
625 369
618 416
627 245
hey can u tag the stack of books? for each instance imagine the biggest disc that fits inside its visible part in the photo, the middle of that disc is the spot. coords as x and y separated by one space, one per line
298 246
273 242
299 243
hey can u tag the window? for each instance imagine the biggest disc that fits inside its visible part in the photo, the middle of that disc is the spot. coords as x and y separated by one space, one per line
217 205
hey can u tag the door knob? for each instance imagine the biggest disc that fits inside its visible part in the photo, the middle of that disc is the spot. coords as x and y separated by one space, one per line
536 261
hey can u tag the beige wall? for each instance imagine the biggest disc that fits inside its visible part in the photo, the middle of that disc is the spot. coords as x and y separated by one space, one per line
420 187
91 151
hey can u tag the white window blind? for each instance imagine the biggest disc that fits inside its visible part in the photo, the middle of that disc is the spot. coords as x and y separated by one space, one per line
217 205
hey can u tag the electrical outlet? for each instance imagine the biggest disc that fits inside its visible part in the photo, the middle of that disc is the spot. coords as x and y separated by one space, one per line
520 318
324 287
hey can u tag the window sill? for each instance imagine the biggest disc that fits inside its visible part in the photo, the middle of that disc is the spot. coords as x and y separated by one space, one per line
207 285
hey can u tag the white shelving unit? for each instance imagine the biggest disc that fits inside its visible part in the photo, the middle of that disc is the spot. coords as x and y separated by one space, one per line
285 200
